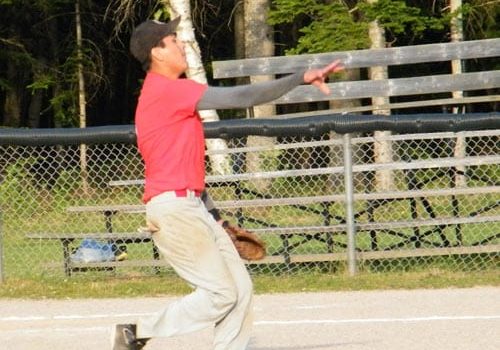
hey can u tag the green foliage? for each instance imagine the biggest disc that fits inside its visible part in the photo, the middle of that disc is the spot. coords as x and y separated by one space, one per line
67 183
337 31
5 84
481 19
43 82
286 11
397 17
269 160
332 27
63 79
17 53
37 45
16 187
161 14
65 108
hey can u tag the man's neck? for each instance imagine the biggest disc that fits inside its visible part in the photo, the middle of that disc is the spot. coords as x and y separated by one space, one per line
167 73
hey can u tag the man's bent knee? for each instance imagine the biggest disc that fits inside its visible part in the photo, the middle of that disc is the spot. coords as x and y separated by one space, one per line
225 299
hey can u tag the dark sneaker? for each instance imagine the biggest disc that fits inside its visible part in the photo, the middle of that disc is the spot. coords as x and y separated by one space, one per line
124 338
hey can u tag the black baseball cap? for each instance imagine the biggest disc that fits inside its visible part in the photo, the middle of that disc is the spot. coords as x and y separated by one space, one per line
148 34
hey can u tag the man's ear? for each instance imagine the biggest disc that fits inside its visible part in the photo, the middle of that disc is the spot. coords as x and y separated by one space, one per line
157 54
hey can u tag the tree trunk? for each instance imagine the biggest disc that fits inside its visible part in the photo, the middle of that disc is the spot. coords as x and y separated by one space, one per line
457 35
239 41
12 104
382 150
220 163
239 29
36 100
35 108
259 43
81 100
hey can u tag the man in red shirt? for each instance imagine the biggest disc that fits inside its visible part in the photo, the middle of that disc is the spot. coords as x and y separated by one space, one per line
171 141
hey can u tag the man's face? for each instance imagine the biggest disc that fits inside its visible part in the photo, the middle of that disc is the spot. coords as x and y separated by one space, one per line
171 54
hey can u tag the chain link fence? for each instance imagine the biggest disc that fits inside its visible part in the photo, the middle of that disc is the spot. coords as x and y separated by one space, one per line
427 204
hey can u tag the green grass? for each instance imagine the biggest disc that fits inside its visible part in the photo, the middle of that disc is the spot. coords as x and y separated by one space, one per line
169 284
27 208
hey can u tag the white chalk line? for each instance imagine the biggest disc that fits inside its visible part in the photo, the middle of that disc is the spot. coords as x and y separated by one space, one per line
69 317
381 320
314 307
53 330
31 318
107 329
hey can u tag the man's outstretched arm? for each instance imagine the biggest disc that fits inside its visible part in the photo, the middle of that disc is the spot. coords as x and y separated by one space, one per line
245 96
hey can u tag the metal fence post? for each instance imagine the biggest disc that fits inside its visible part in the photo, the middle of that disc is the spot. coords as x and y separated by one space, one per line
349 206
1 250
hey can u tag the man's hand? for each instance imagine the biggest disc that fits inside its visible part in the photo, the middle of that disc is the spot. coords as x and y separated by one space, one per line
317 77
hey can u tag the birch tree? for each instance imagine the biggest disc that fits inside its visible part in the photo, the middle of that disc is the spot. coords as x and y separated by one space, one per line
259 43
82 105
239 35
382 149
220 163
456 29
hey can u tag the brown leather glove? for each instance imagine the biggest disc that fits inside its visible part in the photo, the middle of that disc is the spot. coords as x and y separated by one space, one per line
248 245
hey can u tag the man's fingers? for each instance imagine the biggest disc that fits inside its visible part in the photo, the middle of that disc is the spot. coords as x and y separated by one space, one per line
323 87
333 67
317 77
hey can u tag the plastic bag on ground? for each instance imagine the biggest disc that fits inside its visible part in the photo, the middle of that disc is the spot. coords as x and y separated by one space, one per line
91 250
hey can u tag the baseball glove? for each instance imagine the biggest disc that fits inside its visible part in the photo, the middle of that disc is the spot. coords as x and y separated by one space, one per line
248 245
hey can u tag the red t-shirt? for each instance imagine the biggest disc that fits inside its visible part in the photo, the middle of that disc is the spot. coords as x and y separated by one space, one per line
170 135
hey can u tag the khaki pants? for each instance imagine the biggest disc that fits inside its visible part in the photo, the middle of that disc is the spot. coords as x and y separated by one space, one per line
201 253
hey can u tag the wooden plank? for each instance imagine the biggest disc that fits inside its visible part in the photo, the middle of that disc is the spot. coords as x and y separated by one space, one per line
397 105
427 193
125 263
143 235
340 198
365 226
123 208
358 58
136 182
421 252
416 164
301 258
369 226
394 87
270 259
386 254
292 230
244 203
110 264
